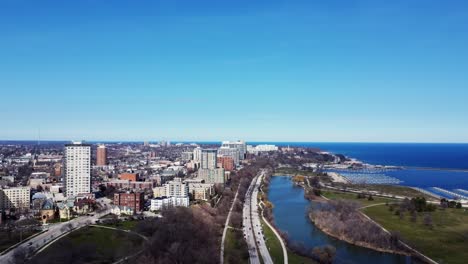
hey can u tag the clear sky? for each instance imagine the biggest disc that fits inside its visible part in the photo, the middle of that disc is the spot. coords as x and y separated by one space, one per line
385 71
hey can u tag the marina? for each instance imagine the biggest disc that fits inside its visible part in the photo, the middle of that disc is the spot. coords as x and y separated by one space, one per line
465 192
450 193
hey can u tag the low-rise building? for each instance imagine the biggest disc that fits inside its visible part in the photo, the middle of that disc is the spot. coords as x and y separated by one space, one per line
129 176
47 211
134 200
165 202
201 191
122 210
130 185
159 191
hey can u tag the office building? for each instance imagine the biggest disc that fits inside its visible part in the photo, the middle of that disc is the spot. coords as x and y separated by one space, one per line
77 168
101 156
208 158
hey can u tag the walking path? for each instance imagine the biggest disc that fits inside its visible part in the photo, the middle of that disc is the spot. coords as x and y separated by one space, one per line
127 231
51 235
278 236
372 205
226 226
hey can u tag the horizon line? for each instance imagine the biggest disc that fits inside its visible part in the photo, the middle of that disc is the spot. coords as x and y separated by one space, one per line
247 141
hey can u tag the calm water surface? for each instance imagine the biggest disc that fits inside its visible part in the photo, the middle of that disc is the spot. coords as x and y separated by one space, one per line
290 209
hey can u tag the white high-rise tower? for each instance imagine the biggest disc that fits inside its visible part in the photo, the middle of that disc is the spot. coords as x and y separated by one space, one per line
77 168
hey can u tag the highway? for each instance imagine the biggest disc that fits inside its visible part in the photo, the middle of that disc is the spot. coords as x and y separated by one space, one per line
54 231
253 232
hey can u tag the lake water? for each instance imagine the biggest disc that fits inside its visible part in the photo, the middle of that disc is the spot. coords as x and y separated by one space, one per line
448 163
290 208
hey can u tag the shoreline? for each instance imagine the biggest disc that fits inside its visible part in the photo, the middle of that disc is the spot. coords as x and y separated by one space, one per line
272 223
358 244
344 239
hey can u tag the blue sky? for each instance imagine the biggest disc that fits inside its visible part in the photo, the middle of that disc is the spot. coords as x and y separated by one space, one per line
373 71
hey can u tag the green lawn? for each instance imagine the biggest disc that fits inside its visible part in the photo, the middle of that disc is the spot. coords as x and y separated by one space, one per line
333 195
447 242
276 252
273 244
91 245
9 239
395 190
292 171
293 258
235 247
125 225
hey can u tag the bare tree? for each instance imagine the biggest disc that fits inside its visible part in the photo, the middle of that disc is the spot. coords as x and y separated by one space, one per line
428 220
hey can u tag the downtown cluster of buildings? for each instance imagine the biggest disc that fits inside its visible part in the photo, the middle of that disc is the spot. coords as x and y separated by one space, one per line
136 177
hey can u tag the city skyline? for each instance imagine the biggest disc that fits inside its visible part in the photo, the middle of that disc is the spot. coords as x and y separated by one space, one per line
295 71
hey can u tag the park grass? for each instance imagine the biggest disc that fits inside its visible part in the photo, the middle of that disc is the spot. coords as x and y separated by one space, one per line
8 240
293 172
294 258
234 244
276 251
394 190
447 242
124 225
273 244
109 245
334 195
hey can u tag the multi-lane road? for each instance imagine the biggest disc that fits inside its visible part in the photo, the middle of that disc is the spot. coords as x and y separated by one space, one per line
253 232
55 231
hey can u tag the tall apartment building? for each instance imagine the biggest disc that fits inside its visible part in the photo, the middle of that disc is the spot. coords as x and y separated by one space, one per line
77 168
208 158
15 197
176 188
230 152
197 153
240 145
212 175
134 200
101 156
